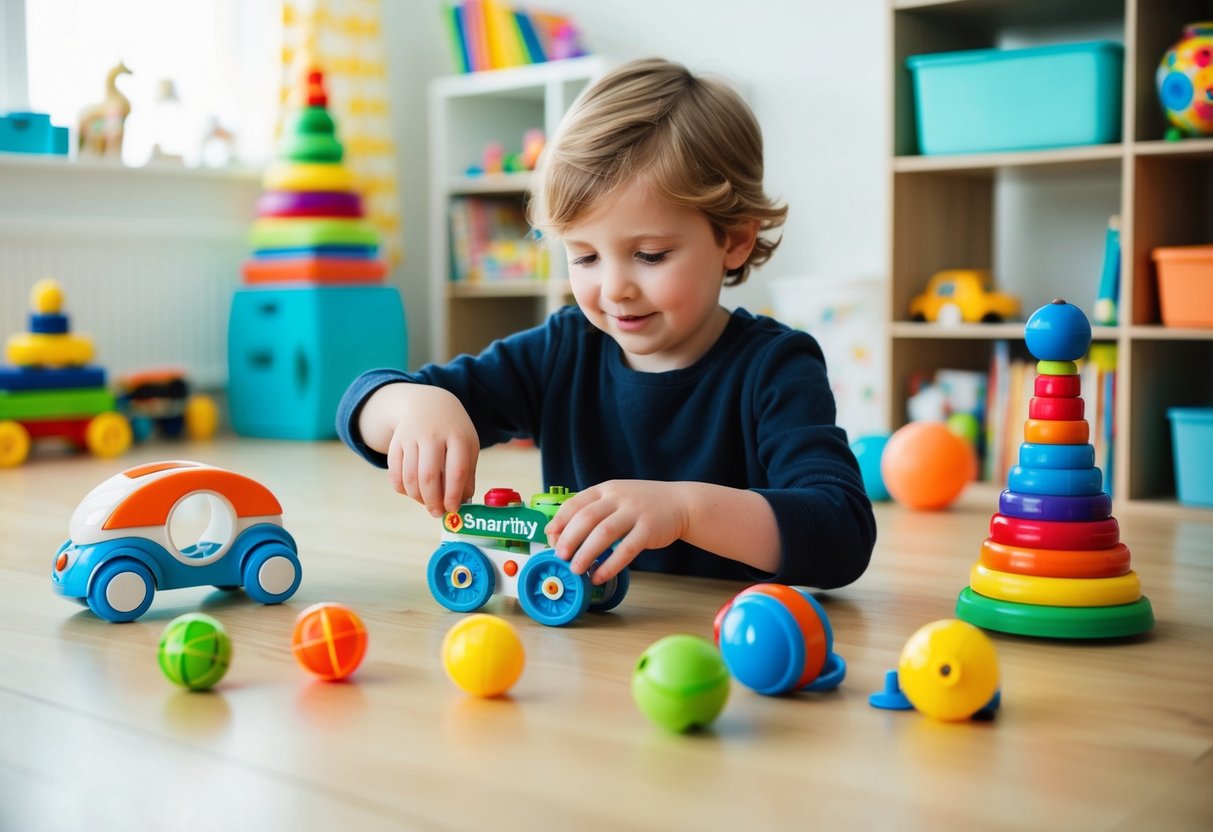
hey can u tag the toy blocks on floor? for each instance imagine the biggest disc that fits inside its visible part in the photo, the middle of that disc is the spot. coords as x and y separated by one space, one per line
1053 565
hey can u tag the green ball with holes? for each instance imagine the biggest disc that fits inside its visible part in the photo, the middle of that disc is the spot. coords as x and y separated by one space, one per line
195 651
681 683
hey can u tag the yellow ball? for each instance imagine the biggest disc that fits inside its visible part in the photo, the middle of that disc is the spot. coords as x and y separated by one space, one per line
949 670
483 655
46 297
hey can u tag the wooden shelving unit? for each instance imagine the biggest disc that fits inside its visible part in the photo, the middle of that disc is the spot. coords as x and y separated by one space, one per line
466 112
945 214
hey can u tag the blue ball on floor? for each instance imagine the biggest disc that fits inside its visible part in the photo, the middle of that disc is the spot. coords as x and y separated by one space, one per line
868 450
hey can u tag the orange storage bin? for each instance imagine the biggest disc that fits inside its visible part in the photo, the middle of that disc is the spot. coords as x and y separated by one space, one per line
1185 285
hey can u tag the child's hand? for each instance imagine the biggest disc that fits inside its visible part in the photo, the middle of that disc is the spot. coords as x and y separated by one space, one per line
639 514
432 453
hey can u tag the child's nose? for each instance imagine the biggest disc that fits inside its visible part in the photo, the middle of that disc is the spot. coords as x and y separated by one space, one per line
617 283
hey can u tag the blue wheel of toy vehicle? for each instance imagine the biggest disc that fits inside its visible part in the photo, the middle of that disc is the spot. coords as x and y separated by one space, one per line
550 593
461 578
608 596
121 590
141 428
271 573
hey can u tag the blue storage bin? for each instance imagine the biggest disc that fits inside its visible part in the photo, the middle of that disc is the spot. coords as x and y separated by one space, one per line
292 352
1192 441
22 132
990 100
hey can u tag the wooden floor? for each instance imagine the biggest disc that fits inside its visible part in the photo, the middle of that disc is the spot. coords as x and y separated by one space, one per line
1090 736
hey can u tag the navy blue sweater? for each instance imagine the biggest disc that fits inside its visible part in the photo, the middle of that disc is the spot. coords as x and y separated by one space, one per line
755 412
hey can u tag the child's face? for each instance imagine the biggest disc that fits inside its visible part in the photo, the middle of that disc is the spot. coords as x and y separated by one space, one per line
649 274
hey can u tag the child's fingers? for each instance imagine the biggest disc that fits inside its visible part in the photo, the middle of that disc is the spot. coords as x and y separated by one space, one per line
408 470
598 540
431 459
624 554
459 467
395 465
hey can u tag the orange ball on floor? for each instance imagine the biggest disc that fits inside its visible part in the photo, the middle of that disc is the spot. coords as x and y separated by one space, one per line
329 640
926 466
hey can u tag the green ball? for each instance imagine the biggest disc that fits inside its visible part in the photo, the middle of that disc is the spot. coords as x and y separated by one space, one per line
195 651
681 683
966 426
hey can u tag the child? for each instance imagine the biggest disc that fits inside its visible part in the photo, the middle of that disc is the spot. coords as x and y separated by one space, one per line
702 442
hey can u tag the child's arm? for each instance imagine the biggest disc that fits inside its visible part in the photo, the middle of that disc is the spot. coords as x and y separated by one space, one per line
644 514
430 442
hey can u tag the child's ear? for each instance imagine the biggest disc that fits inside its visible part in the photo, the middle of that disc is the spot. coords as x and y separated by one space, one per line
738 243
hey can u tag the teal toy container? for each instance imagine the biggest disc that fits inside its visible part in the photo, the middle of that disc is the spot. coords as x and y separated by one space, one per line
990 100
292 352
1192 441
22 132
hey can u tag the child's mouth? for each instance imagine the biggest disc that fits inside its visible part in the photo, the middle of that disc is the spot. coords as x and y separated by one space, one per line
631 322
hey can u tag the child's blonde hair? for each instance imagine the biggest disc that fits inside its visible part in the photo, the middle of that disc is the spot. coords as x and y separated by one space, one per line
693 138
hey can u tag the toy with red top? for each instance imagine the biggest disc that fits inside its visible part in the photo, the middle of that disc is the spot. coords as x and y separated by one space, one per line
499 547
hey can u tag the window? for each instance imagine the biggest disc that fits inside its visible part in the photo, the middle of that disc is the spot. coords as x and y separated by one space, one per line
193 64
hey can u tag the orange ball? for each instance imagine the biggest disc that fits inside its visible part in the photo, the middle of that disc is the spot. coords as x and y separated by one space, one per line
926 466
329 640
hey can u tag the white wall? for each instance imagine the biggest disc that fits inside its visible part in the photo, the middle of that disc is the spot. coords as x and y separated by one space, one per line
813 70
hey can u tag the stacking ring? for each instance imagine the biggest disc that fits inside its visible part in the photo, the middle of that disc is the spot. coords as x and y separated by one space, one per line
1055 592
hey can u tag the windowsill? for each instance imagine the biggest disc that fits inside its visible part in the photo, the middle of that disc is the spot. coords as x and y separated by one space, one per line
56 163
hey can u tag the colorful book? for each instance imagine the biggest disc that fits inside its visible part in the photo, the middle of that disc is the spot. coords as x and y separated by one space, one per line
452 17
476 35
530 37
1107 299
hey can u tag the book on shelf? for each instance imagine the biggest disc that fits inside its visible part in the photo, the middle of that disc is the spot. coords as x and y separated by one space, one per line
1107 298
488 34
492 241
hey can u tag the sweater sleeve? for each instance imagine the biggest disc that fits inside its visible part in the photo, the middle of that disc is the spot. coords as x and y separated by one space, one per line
826 526
501 388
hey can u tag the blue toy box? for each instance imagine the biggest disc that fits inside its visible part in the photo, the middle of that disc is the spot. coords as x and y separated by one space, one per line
1192 435
292 352
31 133
990 100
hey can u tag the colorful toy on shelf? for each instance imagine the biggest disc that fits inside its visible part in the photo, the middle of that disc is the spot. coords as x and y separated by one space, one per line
483 655
329 640
681 683
313 312
195 651
22 132
500 547
962 296
101 125
494 159
160 400
51 391
1185 82
122 548
948 671
777 639
1053 565
926 466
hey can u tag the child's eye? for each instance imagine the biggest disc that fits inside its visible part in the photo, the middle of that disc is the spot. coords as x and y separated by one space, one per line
583 260
651 258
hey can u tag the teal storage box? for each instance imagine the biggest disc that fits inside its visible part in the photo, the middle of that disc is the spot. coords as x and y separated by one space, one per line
292 352
990 100
1192 438
22 132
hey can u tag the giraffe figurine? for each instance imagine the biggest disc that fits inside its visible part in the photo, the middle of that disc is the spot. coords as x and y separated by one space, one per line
100 128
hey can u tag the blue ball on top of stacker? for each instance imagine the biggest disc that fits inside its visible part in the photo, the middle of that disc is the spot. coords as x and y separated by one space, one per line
1058 331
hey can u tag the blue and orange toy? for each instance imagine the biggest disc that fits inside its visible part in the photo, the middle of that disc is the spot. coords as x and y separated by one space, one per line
159 400
499 547
948 671
1053 565
777 639
121 550
51 391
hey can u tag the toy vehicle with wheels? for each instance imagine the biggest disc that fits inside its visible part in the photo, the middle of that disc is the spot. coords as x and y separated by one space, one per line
122 548
499 547
963 296
160 400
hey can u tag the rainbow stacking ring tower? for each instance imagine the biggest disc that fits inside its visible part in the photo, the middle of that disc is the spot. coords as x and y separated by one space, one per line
1053 565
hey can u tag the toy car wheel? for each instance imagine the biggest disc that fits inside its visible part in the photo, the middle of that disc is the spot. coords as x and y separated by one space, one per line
121 590
949 314
461 578
271 573
108 435
141 428
14 444
608 596
550 593
991 318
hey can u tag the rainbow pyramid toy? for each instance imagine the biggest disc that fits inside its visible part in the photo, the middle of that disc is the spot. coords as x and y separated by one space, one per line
1054 565
310 225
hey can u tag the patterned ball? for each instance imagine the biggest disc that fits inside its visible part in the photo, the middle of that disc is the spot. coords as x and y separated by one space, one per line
195 651
483 655
1185 81
329 640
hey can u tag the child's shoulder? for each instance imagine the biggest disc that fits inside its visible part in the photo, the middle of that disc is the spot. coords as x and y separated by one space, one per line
763 332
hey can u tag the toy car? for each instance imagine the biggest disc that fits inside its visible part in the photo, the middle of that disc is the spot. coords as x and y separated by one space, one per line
500 547
962 296
122 551
161 399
